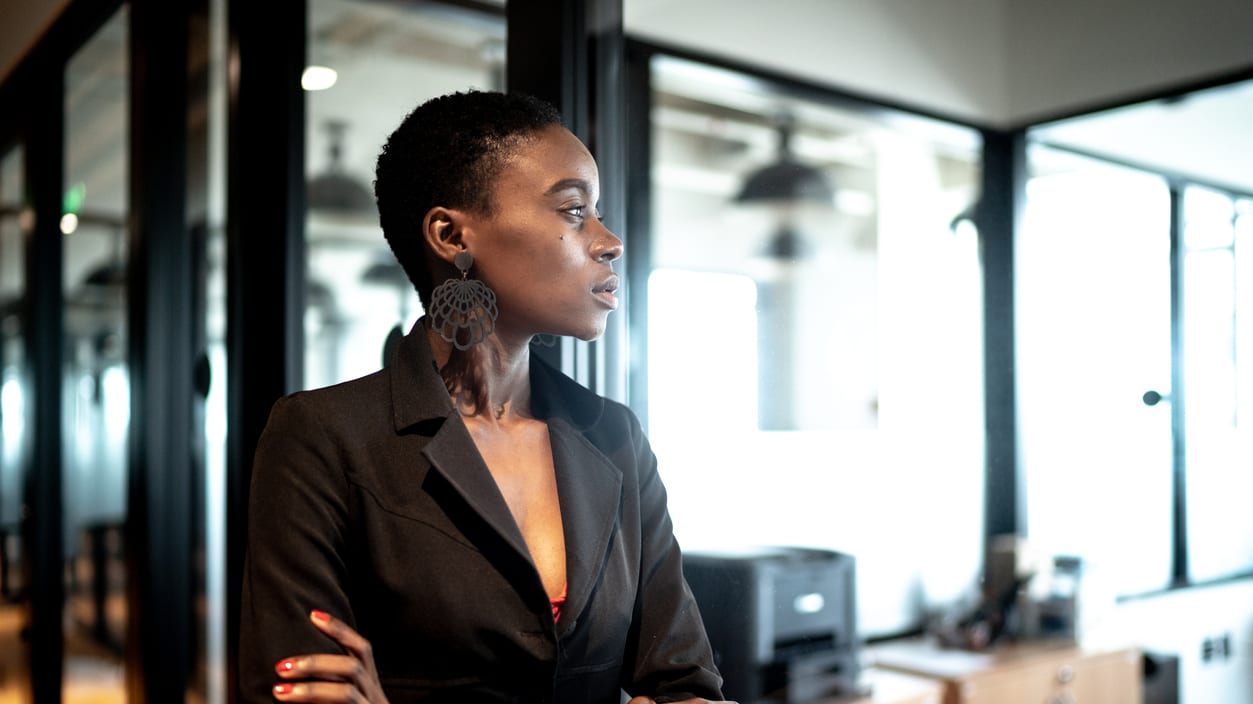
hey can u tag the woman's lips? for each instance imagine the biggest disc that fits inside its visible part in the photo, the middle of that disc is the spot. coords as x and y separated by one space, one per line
607 291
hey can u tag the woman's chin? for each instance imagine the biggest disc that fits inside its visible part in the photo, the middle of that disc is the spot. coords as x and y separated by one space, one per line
592 332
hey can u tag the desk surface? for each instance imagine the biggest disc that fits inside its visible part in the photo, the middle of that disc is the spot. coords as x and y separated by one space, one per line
888 687
925 657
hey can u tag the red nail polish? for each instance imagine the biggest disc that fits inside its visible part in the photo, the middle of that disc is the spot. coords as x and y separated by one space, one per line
321 616
282 688
285 666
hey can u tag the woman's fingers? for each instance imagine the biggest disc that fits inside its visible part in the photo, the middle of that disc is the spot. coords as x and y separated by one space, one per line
331 678
320 692
345 668
344 635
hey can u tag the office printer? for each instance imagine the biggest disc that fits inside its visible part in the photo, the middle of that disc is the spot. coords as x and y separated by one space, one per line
782 621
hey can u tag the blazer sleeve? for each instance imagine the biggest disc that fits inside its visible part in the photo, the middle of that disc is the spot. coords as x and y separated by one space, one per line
295 560
668 654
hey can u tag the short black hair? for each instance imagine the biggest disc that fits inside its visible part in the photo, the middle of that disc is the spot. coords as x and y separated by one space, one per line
446 153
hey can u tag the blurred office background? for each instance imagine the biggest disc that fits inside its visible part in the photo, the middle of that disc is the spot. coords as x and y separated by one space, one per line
1013 239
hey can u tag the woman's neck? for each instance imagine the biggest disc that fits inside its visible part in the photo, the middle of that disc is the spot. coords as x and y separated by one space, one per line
496 373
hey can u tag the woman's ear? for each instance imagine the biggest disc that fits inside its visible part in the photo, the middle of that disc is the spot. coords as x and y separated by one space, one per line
442 229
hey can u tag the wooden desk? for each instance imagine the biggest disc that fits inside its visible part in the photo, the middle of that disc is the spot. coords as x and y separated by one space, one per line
891 687
1048 673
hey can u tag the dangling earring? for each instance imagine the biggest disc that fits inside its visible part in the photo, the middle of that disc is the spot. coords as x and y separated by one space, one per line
543 339
463 308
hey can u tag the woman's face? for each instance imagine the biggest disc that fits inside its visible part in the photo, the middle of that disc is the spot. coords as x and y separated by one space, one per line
543 250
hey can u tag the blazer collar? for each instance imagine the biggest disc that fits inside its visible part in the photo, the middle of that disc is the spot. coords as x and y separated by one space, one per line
419 394
590 485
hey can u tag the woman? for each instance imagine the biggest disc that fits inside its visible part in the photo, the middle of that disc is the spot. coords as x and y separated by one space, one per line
468 524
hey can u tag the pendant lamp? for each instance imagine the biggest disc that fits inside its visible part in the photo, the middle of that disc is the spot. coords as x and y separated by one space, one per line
334 191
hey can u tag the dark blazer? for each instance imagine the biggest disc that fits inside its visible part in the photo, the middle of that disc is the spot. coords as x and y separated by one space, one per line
370 501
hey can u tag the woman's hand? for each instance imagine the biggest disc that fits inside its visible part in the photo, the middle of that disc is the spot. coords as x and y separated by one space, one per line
650 700
331 679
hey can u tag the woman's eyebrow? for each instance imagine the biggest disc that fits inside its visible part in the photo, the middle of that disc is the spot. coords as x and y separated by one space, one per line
567 183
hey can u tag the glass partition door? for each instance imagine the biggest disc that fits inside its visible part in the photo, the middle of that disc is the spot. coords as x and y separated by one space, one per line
96 402
370 64
1094 336
15 223
1218 369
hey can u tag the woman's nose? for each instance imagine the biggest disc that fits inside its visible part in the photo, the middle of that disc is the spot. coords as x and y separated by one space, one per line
608 247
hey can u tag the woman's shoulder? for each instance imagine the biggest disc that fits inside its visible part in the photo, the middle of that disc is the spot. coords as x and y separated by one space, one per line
349 403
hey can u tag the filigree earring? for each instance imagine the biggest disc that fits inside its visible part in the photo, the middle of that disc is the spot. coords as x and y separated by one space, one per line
463 311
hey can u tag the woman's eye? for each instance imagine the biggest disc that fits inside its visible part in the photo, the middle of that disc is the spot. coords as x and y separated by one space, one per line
576 211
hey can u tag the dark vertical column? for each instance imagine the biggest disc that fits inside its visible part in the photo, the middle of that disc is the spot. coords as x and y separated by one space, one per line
639 207
45 342
159 302
997 218
571 53
1178 407
265 250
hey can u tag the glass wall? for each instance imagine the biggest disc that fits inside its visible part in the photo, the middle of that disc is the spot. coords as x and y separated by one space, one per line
1218 368
1094 335
15 223
1095 356
370 64
206 215
816 266
96 404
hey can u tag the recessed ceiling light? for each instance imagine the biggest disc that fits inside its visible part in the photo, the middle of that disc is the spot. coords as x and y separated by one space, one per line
318 78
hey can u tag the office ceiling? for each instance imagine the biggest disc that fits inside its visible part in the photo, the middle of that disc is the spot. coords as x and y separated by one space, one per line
1008 63
1208 136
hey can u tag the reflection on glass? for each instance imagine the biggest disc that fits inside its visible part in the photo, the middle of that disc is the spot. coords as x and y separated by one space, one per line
814 334
207 212
1219 543
14 599
1244 315
1093 335
96 404
387 58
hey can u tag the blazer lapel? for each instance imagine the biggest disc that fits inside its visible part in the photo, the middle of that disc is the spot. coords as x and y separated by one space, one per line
590 490
589 486
420 404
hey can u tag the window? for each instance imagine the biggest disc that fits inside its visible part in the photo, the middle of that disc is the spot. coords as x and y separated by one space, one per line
815 370
386 58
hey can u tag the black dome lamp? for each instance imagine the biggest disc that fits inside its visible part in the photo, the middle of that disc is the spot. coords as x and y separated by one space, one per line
787 186
334 191
786 181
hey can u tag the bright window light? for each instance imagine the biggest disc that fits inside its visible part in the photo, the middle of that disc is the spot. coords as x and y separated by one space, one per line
318 78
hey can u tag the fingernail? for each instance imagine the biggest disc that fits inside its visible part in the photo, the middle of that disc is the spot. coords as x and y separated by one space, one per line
282 688
321 616
285 665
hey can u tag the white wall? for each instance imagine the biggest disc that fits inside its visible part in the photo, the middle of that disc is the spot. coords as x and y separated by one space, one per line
1178 623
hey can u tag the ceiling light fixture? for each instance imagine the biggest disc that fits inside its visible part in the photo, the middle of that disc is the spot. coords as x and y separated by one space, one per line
318 77
334 191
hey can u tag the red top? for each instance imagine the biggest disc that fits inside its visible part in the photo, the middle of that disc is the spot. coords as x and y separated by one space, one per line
559 601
